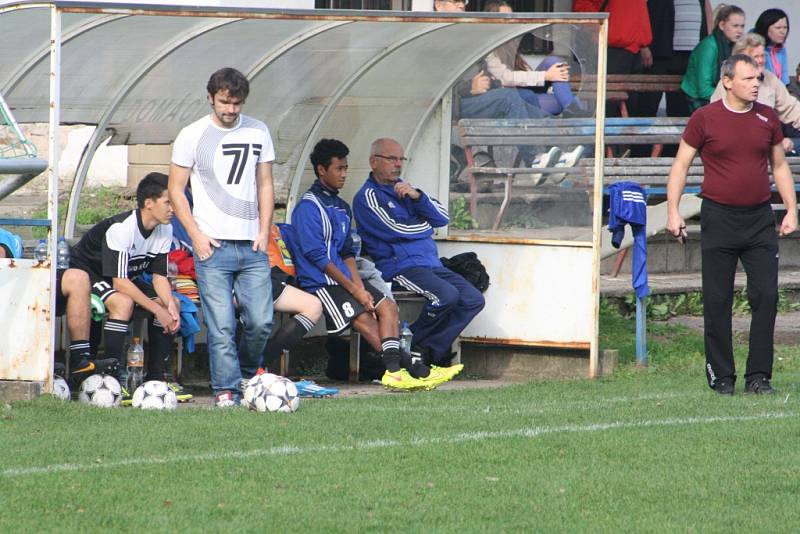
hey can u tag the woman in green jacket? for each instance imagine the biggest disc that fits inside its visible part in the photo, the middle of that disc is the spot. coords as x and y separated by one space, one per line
702 73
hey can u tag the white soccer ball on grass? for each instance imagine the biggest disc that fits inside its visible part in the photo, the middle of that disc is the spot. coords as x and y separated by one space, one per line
61 389
100 390
271 393
154 395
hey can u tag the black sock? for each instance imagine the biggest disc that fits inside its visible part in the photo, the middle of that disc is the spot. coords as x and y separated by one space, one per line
161 345
287 336
79 350
114 333
391 354
415 364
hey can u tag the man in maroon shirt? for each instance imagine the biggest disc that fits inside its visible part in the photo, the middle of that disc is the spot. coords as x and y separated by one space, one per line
735 137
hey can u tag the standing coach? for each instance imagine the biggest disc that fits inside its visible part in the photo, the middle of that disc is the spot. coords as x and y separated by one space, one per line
736 137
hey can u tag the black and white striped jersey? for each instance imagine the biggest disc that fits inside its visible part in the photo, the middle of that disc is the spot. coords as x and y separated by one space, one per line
120 247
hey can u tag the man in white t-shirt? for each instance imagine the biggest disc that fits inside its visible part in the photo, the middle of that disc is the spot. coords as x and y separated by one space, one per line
228 158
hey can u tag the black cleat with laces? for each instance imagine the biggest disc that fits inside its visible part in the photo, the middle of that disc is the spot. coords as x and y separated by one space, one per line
759 386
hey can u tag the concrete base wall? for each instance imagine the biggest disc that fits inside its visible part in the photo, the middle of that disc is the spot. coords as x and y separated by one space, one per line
518 364
16 390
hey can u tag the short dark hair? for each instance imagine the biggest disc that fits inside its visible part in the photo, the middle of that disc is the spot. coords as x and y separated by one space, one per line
325 151
231 80
152 186
728 67
767 19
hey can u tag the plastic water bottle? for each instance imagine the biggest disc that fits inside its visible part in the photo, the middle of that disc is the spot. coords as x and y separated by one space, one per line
405 338
40 252
172 274
62 254
356 242
135 365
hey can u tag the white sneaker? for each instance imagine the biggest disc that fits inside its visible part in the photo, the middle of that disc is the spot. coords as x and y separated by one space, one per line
567 160
543 161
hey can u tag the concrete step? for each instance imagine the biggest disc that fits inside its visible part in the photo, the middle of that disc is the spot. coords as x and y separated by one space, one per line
685 282
665 255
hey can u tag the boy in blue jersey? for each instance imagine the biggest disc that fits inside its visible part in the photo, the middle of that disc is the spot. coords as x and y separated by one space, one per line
325 264
396 222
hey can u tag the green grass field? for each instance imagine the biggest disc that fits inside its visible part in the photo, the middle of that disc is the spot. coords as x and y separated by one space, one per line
651 450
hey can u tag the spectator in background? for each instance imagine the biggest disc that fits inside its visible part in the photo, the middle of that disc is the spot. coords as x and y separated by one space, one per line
702 72
477 97
771 92
629 38
773 26
678 26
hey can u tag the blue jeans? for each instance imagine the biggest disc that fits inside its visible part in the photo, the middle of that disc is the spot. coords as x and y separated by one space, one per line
234 268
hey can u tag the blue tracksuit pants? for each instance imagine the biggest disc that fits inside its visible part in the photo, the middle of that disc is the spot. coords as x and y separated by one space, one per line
452 304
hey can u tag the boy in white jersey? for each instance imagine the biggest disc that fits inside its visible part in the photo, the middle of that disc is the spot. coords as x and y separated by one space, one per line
228 158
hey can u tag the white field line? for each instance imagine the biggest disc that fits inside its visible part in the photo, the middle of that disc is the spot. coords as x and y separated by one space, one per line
535 408
286 450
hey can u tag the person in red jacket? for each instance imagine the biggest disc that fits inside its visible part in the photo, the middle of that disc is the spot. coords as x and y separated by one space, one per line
629 38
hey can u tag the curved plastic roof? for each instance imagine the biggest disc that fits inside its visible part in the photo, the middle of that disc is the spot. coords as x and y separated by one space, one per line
140 70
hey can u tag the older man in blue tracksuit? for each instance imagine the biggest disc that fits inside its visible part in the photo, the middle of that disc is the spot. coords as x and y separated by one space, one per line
396 221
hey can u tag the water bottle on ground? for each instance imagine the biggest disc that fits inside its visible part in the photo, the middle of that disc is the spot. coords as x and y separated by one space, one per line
405 338
356 242
40 252
62 254
135 365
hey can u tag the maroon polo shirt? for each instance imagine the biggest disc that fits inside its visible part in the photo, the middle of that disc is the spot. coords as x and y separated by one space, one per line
734 147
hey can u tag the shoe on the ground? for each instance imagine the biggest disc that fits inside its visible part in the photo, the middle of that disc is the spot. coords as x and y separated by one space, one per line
59 369
180 392
436 378
451 371
401 380
126 398
86 367
309 388
227 399
543 161
759 386
724 386
568 159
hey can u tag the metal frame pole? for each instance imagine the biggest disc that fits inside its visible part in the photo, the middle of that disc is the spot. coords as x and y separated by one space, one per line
52 176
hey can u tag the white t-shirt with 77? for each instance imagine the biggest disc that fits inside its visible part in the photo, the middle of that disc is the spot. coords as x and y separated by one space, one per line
223 174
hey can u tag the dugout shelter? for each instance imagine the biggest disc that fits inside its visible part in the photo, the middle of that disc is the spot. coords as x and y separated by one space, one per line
138 72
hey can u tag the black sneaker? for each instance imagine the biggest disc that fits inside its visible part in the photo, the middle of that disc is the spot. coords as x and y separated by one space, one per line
86 367
724 387
759 386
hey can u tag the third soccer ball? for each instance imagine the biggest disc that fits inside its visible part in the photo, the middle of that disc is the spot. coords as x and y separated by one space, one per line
154 395
271 393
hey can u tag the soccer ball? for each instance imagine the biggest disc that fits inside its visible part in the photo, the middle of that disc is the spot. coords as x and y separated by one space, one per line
61 388
154 395
271 393
100 390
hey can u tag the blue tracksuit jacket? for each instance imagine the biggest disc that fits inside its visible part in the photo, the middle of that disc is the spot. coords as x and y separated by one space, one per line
321 223
397 232
627 205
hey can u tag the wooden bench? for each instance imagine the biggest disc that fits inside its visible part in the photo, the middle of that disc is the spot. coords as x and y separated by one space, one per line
547 133
619 86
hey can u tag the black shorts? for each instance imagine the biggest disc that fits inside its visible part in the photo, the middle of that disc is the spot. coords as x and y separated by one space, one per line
341 307
279 282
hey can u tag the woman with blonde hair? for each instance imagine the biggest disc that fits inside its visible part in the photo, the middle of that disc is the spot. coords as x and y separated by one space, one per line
702 72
